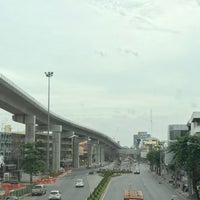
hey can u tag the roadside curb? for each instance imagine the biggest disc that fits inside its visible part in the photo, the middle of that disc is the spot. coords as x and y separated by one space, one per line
65 173
177 190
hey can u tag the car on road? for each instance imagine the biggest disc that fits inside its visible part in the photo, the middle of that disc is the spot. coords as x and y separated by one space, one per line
91 172
136 171
39 189
79 183
55 195
11 198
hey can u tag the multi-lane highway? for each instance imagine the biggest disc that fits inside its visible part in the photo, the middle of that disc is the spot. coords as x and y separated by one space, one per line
146 181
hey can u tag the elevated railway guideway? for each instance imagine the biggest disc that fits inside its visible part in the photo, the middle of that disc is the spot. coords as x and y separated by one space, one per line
27 110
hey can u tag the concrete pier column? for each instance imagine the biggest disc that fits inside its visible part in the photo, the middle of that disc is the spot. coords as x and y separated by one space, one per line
98 156
75 148
89 154
92 154
75 152
29 121
102 158
95 158
113 154
56 146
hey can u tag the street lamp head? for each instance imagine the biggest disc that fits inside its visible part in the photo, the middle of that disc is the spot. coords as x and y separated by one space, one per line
49 74
73 136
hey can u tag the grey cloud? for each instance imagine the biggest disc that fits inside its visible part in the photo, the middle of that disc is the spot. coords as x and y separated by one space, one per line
128 51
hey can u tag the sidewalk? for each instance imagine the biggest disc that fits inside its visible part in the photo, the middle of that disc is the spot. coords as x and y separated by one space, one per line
169 182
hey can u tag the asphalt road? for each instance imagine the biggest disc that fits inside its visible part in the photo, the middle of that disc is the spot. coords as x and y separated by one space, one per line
147 182
66 185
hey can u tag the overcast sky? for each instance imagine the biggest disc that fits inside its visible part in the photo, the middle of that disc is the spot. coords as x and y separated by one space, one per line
120 66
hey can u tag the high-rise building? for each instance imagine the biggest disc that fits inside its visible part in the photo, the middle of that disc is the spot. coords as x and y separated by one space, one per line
138 137
177 130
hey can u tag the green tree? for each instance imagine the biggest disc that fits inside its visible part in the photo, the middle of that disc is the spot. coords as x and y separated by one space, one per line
32 161
153 156
186 152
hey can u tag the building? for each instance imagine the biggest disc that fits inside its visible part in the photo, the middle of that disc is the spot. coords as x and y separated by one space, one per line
10 147
6 145
177 130
6 153
138 137
194 124
148 144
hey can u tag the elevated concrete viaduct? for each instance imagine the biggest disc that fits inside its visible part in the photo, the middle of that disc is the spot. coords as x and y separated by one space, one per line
30 112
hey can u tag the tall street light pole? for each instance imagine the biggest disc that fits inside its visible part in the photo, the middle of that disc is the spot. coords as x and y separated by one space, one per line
48 75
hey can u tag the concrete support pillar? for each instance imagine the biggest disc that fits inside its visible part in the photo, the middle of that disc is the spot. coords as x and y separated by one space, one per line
102 154
95 153
29 121
89 156
56 146
107 153
112 154
75 152
92 154
75 148
98 156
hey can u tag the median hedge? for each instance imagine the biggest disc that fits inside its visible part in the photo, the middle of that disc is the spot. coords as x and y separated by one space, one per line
107 175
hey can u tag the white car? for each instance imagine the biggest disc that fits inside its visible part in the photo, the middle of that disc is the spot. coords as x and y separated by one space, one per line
11 198
137 171
55 195
79 183
38 190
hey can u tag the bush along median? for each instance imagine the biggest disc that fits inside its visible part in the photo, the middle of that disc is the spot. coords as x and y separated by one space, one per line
107 175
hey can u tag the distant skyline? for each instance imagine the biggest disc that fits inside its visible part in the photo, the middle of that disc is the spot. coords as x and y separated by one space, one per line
120 67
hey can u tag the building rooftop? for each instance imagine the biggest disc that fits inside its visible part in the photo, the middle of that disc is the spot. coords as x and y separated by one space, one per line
195 117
